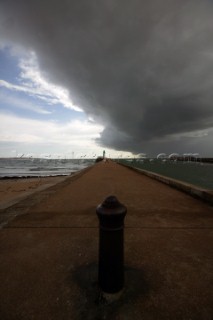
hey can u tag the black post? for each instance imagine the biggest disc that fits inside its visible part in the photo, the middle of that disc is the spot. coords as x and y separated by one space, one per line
111 215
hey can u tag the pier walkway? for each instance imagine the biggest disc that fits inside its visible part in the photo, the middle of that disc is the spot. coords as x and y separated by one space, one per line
49 251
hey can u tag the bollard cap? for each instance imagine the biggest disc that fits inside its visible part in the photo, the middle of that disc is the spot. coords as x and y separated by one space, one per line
111 202
111 213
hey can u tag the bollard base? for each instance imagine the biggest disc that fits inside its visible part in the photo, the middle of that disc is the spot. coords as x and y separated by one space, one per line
107 298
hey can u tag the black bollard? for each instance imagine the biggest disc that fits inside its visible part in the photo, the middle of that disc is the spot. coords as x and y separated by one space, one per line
111 215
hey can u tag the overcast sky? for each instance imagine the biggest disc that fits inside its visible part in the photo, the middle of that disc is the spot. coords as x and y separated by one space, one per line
82 76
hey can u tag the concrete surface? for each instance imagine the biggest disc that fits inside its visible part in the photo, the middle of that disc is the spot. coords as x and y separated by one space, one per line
195 191
49 251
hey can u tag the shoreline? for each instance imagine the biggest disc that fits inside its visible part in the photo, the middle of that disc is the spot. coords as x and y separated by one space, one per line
15 189
34 177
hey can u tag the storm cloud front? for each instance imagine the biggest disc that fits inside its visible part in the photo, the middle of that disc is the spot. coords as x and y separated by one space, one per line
143 69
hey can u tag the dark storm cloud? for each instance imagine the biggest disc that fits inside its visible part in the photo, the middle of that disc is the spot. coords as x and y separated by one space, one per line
142 68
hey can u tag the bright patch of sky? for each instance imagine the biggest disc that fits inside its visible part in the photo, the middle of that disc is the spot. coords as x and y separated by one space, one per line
24 89
36 115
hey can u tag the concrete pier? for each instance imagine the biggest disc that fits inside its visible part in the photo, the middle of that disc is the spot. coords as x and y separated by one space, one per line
49 251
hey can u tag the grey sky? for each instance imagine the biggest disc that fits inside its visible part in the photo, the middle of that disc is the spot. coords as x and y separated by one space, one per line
144 69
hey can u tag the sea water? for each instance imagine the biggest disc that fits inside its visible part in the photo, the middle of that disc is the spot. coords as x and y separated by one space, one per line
197 172
34 167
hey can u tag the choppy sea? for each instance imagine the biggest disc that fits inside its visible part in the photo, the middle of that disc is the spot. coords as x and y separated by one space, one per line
197 173
24 167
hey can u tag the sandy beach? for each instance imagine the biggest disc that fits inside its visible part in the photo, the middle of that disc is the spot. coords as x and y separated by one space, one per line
16 189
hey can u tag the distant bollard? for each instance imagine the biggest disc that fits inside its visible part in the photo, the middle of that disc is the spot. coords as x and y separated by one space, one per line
111 214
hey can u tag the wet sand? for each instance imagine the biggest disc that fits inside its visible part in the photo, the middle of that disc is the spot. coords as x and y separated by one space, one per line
13 190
